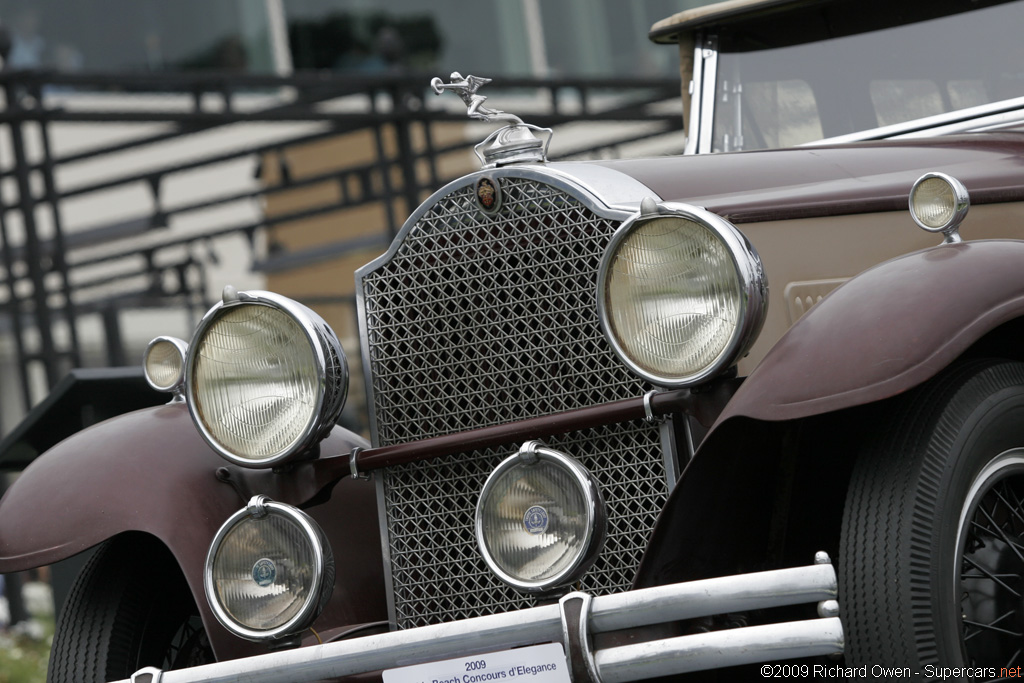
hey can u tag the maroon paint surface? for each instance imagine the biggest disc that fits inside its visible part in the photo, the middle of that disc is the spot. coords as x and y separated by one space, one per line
803 182
150 471
886 330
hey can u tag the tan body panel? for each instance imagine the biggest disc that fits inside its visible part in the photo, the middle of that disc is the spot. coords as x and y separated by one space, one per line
811 256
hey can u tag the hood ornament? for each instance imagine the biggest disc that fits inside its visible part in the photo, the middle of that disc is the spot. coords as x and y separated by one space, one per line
512 144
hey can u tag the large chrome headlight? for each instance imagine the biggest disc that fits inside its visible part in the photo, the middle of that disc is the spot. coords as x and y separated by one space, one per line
265 379
682 294
540 520
269 571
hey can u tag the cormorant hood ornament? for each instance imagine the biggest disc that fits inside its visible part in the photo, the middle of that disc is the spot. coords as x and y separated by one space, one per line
514 143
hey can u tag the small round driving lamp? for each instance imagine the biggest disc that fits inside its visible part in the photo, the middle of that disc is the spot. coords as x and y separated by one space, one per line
681 294
164 363
540 520
269 571
939 203
265 378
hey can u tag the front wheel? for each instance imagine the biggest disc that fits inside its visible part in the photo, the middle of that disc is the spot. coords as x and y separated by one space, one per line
932 550
129 608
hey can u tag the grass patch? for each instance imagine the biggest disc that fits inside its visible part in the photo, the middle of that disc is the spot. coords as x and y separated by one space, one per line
23 658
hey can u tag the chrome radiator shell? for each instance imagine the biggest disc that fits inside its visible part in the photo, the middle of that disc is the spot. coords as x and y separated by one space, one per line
474 319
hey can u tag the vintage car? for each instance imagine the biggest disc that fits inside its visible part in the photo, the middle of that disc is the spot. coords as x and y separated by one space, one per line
603 448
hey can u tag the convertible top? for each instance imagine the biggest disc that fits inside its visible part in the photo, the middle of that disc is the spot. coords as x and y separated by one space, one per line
757 24
668 30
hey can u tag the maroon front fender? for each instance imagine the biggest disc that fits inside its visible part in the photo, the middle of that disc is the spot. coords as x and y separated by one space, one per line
150 471
888 329
143 471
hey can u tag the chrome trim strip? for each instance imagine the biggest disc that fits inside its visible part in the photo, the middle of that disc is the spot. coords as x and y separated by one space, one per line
749 270
692 122
708 53
699 652
385 549
544 624
579 649
149 674
670 449
616 190
649 415
353 464
996 114
320 337
1013 119
261 506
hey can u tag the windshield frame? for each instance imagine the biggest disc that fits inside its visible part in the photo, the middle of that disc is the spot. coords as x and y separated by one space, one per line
707 110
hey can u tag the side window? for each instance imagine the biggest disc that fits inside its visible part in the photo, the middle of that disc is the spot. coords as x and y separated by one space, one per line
964 94
785 112
896 101
771 114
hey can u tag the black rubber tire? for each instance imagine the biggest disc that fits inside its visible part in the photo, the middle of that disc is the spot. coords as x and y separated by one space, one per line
901 579
129 608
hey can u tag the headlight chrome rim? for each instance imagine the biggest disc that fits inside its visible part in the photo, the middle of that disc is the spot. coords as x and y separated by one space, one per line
750 274
533 451
182 349
319 593
961 205
324 345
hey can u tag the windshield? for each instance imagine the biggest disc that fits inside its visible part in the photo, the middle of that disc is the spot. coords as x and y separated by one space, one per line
787 96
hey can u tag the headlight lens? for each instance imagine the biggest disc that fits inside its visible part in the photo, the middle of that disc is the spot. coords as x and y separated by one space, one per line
682 295
540 519
938 202
269 571
164 363
266 378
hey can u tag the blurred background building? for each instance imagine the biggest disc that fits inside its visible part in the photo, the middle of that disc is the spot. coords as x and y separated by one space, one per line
153 151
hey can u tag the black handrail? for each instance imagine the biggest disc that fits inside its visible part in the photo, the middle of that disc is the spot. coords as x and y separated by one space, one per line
50 280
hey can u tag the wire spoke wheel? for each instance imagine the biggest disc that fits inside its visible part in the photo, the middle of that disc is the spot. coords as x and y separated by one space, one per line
990 584
931 560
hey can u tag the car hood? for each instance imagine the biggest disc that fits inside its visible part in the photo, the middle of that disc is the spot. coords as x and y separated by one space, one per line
804 182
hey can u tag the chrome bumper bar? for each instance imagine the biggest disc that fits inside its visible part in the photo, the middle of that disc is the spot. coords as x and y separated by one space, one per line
661 604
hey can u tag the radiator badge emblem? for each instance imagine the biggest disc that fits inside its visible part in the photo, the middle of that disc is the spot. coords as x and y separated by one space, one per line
536 520
264 572
488 194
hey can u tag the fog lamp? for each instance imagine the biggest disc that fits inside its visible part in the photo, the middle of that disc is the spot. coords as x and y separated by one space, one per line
269 571
939 203
540 520
164 363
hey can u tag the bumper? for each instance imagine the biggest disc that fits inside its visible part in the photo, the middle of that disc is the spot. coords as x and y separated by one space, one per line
572 626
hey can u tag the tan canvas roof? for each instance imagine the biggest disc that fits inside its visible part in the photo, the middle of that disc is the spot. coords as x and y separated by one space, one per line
668 30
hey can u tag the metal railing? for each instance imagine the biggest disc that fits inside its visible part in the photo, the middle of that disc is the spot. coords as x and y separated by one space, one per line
75 142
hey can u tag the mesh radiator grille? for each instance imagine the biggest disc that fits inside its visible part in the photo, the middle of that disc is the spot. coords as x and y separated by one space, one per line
437 571
479 320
